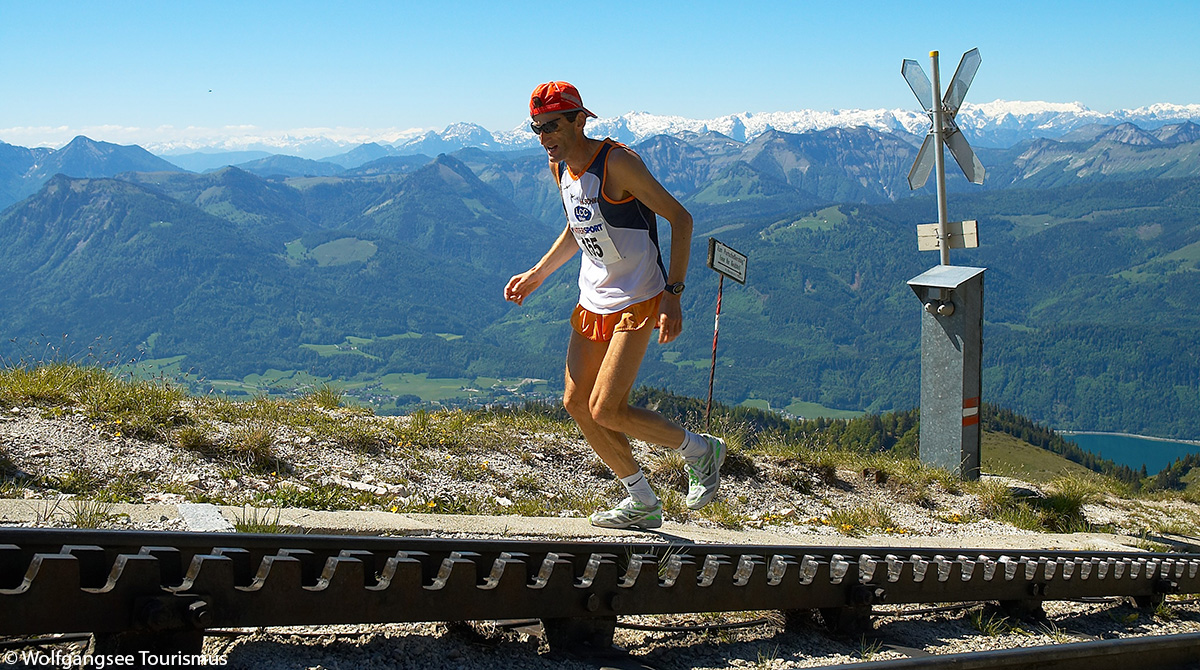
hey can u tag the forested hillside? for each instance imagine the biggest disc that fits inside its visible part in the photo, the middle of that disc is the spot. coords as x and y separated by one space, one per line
397 267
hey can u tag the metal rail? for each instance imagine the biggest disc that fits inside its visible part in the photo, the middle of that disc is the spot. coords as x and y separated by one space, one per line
159 591
1162 652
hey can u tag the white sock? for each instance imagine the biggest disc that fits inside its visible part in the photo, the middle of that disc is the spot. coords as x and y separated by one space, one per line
639 488
694 446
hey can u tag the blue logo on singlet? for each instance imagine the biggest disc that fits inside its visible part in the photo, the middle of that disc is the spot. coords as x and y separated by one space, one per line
582 213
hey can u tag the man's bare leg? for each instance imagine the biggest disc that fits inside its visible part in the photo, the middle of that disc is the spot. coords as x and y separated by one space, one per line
602 376
610 409
584 360
599 375
609 402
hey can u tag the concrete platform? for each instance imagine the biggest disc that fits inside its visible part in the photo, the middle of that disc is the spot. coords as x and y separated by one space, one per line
210 518
318 522
22 511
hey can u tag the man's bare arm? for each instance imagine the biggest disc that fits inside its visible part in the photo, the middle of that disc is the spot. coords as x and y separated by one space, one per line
520 286
627 176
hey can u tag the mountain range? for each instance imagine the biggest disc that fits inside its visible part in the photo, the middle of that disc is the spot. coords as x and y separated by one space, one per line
997 124
1090 241
855 164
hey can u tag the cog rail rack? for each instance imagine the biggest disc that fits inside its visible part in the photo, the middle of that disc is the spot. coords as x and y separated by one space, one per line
157 591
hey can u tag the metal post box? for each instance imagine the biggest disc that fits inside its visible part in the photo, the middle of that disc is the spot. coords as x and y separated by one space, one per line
951 364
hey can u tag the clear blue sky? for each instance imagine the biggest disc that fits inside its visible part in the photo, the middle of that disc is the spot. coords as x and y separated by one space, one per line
153 68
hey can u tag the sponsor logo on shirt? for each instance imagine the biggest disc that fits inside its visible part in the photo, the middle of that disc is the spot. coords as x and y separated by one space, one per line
582 213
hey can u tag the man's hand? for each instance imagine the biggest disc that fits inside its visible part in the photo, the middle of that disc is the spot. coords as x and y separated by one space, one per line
520 286
670 318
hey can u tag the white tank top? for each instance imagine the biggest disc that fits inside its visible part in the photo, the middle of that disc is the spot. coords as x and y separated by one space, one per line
622 264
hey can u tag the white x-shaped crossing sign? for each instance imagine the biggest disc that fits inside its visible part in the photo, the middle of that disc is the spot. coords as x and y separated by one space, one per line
951 135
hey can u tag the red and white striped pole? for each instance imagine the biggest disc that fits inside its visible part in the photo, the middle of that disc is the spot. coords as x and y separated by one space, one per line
713 370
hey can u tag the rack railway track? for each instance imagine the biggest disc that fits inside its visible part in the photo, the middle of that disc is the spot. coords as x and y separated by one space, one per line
160 591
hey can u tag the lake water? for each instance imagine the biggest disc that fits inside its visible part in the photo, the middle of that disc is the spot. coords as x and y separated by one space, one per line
1132 450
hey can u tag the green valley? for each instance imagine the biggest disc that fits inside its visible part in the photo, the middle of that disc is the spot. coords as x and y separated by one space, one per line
386 281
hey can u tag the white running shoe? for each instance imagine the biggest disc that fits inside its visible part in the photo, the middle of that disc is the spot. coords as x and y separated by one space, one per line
704 475
630 513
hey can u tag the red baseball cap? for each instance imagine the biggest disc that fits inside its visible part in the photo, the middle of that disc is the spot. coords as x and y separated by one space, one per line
556 96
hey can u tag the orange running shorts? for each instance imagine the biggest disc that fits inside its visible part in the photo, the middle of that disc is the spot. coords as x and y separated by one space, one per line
600 327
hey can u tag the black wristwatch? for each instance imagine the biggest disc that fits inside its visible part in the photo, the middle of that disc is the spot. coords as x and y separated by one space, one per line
674 289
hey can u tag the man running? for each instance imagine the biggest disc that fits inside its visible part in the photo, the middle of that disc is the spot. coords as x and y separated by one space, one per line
610 200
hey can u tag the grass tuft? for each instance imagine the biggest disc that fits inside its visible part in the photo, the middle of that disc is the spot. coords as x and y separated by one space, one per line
53 384
721 513
1060 511
861 520
317 496
198 438
7 467
125 487
143 409
665 470
82 513
361 437
146 410
990 624
255 520
738 464
253 447
868 649
325 396
77 481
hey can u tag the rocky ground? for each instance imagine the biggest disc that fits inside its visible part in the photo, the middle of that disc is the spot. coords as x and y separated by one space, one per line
509 468
57 458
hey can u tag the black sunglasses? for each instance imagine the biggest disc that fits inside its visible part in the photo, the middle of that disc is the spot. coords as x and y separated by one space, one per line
547 127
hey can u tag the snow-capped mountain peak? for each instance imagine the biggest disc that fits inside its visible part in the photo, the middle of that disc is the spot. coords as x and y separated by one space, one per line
1000 123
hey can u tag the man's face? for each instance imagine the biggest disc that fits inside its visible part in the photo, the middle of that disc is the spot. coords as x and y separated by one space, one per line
555 133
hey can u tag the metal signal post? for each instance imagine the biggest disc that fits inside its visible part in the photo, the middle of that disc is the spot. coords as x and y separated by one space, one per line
943 134
939 160
952 297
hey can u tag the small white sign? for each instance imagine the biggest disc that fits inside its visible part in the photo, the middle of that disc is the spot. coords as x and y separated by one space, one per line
727 261
960 234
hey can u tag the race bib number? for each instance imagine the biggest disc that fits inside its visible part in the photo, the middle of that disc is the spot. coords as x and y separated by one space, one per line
596 243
